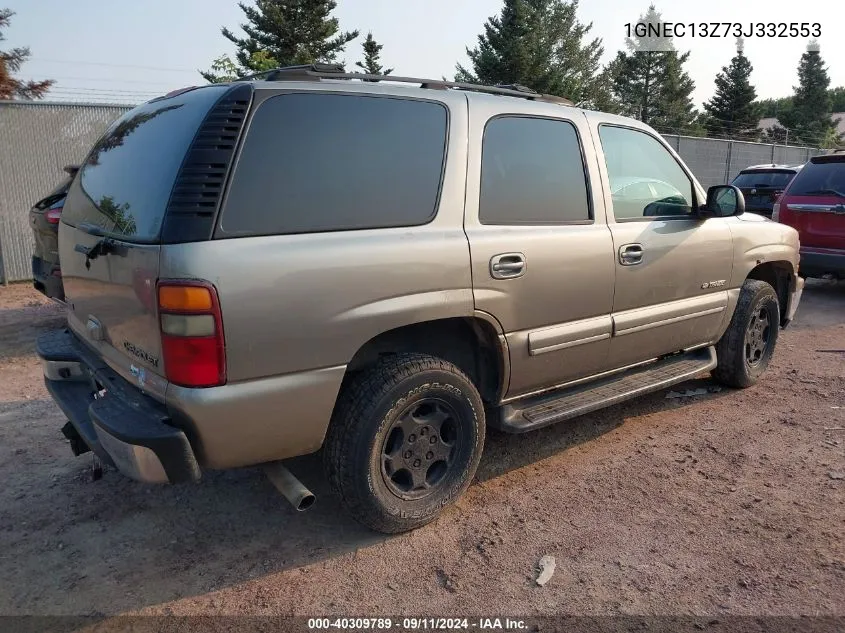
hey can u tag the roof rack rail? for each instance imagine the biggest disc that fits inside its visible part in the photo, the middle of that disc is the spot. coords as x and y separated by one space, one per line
317 72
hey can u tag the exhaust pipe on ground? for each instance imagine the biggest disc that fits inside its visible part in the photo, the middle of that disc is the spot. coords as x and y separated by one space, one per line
293 490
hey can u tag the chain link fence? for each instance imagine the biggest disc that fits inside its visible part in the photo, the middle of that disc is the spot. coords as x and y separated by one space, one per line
38 139
718 161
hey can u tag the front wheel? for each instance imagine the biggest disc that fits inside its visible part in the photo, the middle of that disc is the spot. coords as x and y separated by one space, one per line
404 441
747 346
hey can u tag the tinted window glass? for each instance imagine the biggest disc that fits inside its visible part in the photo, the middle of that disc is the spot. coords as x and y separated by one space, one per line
764 179
317 162
635 158
130 172
532 172
820 178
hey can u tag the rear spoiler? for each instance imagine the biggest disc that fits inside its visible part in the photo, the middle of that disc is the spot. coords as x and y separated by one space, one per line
71 170
834 157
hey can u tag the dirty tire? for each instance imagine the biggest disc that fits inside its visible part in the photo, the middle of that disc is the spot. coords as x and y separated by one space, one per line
375 411
737 365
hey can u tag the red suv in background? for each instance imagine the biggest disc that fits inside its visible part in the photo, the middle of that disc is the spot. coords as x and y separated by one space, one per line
814 205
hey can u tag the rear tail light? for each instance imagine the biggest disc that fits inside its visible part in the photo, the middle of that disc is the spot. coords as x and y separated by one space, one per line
54 215
192 342
776 211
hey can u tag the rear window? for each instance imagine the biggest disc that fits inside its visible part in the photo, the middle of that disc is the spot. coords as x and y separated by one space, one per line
130 172
532 173
321 162
764 179
820 178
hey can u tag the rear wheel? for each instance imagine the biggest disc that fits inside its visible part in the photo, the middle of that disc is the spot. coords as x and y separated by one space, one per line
404 441
748 344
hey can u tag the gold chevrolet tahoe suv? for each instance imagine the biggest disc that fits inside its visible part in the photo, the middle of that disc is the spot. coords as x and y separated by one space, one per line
303 261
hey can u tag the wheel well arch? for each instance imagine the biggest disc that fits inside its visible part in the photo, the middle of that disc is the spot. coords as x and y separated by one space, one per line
780 276
473 344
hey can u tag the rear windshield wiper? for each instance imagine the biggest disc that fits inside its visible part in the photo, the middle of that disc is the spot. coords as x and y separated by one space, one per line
103 246
824 192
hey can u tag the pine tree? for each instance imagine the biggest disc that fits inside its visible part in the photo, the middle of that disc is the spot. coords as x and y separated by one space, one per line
10 63
837 99
290 32
774 107
372 58
732 112
539 44
650 82
809 119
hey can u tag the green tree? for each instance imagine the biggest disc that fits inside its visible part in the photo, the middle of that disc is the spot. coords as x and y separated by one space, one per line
733 112
539 44
837 99
774 107
775 134
224 70
372 58
650 82
809 119
10 63
290 32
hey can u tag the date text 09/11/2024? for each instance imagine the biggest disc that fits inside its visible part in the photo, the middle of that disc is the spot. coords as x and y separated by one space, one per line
417 624
723 29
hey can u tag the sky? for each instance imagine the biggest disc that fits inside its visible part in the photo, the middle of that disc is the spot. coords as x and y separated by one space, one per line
121 51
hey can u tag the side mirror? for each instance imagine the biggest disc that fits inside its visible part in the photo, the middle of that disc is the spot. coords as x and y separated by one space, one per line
723 201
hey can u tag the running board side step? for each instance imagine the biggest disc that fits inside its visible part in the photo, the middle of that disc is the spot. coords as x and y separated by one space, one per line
541 410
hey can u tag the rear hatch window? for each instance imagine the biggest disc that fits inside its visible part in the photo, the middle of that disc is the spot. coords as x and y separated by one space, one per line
130 172
775 179
825 176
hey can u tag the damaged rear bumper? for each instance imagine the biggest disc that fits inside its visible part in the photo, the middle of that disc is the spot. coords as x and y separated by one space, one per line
111 417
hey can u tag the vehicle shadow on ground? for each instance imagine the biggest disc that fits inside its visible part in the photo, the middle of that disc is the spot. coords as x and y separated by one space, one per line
504 452
115 545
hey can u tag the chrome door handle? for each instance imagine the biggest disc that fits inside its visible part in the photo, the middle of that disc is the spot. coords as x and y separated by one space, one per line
507 265
630 254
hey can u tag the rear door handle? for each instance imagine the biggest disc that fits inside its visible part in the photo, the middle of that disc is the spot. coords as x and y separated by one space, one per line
630 254
507 265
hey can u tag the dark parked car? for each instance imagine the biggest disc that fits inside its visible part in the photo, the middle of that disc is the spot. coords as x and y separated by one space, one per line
44 219
814 205
762 184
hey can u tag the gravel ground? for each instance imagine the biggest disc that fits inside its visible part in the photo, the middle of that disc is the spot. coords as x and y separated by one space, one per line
729 503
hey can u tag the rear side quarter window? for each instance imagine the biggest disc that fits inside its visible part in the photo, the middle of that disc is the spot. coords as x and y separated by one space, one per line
532 172
324 162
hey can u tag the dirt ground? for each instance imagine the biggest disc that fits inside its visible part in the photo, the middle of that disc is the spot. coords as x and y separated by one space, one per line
728 503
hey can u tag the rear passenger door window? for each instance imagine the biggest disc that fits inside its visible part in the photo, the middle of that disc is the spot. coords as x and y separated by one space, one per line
324 162
532 172
645 179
